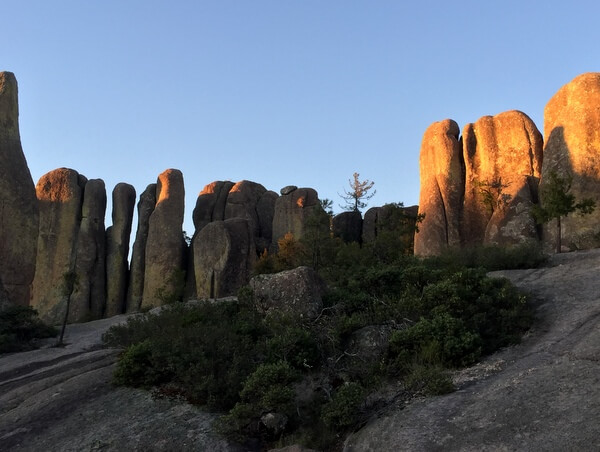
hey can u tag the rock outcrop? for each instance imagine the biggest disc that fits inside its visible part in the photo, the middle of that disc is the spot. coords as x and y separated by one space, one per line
572 147
135 288
19 214
348 226
165 247
224 252
484 192
442 189
117 248
89 295
296 292
503 161
210 205
60 194
292 210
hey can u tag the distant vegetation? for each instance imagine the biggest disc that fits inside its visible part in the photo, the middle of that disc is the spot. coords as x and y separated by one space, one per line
20 328
389 318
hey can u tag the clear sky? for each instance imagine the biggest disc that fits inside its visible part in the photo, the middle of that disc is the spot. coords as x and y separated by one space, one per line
280 92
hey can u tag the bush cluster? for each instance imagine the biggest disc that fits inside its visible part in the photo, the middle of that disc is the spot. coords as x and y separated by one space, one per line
20 327
312 379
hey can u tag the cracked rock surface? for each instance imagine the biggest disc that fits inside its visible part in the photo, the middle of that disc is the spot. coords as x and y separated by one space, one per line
61 399
543 394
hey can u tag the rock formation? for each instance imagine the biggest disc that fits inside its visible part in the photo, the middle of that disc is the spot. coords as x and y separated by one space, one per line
292 210
19 215
89 295
135 288
481 194
442 189
572 147
503 160
296 292
165 247
224 252
117 248
59 193
210 205
348 226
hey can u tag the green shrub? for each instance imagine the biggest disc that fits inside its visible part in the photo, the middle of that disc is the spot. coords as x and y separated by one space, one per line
343 410
20 327
429 380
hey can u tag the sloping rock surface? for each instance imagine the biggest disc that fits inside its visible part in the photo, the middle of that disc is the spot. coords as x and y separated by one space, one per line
540 395
61 399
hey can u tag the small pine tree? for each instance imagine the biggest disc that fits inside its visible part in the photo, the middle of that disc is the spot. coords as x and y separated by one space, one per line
357 195
557 202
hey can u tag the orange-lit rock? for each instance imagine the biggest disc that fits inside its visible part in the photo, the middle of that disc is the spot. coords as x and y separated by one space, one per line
442 189
117 248
135 289
165 247
572 146
503 160
59 194
210 205
19 215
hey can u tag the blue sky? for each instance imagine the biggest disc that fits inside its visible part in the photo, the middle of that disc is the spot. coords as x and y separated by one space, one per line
279 92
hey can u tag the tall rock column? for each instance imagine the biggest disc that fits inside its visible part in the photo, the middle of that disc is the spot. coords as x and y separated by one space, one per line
503 161
135 289
572 147
89 296
19 214
59 194
442 189
165 248
117 248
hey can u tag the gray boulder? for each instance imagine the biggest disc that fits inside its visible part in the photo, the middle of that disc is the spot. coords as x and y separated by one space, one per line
19 215
292 211
348 226
117 244
165 247
224 253
296 292
210 205
135 288
89 295
59 194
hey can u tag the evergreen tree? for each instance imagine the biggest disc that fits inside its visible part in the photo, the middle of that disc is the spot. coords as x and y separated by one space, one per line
357 195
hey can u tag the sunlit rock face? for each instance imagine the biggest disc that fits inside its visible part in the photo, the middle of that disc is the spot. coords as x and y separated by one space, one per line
292 210
224 253
60 195
135 289
210 205
117 248
503 161
89 295
442 189
19 215
165 247
572 146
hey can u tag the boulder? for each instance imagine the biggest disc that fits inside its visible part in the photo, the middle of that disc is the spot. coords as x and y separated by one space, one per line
210 205
135 288
572 147
165 247
348 226
292 212
287 189
19 215
296 292
59 194
503 157
117 248
442 189
242 201
89 295
224 253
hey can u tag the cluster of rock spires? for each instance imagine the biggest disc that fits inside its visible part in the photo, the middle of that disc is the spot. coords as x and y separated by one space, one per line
475 189
56 229
479 188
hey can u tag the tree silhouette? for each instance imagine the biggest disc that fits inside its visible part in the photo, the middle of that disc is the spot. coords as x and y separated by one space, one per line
557 202
357 195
